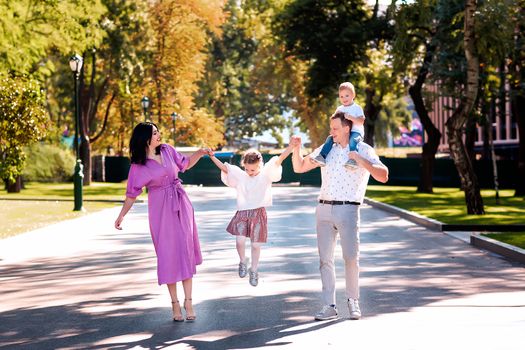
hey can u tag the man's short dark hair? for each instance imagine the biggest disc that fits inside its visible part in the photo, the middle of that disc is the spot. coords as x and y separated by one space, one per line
344 121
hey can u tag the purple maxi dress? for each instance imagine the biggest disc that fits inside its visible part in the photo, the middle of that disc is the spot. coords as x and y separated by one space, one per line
171 219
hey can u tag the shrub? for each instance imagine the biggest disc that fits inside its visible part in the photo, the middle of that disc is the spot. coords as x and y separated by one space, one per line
48 163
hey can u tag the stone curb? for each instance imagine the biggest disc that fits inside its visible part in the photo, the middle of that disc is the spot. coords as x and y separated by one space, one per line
506 250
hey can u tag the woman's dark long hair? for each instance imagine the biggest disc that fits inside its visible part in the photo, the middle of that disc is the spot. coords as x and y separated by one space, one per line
140 139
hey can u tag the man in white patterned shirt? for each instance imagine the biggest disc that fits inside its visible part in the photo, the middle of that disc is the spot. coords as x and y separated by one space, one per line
342 191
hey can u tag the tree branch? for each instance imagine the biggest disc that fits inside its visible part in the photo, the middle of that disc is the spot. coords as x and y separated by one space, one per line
95 138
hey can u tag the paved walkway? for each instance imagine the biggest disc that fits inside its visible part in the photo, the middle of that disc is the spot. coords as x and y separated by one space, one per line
80 284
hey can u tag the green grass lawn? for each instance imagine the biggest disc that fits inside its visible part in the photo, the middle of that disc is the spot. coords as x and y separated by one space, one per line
96 191
514 238
17 216
448 204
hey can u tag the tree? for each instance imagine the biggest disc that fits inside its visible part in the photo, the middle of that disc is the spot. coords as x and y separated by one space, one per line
460 116
339 41
414 47
380 87
181 30
112 70
31 29
245 62
329 36
394 113
516 69
148 46
23 120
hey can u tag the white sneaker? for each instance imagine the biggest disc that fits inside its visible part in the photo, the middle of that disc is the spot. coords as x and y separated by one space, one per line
328 312
353 308
319 160
243 269
351 164
254 278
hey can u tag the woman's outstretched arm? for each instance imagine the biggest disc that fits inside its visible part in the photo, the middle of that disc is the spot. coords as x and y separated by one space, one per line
128 203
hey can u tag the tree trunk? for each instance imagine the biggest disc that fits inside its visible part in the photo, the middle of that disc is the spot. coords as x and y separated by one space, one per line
486 128
14 187
371 113
470 138
517 102
457 121
518 109
430 147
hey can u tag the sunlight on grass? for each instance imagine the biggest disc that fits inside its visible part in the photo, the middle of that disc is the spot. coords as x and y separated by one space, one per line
14 218
97 190
448 204
514 238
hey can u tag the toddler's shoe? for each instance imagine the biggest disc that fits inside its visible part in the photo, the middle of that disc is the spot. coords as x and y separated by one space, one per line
319 160
254 278
243 269
351 164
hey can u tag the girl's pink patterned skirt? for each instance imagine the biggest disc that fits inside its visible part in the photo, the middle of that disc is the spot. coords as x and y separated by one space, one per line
251 223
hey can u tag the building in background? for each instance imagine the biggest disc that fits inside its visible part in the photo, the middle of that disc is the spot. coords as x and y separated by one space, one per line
504 127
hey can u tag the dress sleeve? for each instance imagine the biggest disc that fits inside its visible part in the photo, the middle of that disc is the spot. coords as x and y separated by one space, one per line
233 177
181 161
137 179
273 171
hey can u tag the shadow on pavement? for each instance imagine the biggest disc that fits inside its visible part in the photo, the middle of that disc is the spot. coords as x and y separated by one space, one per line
106 298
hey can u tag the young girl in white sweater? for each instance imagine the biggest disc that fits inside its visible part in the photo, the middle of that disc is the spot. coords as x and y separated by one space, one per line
253 187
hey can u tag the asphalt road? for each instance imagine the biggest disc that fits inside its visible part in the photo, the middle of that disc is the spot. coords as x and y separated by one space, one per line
80 284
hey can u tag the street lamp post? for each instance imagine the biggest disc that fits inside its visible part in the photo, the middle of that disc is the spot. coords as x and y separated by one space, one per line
75 63
145 106
173 119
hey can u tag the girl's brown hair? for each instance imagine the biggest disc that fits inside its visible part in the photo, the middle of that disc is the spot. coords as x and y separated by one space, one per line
251 157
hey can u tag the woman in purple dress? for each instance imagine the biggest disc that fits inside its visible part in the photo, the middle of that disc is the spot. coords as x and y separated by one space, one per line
171 220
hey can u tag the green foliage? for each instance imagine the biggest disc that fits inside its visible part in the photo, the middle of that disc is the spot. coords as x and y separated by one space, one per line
30 29
449 68
415 26
494 29
115 66
23 120
332 36
239 84
48 163
393 114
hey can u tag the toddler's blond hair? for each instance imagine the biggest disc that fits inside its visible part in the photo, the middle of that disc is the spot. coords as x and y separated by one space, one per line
347 86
